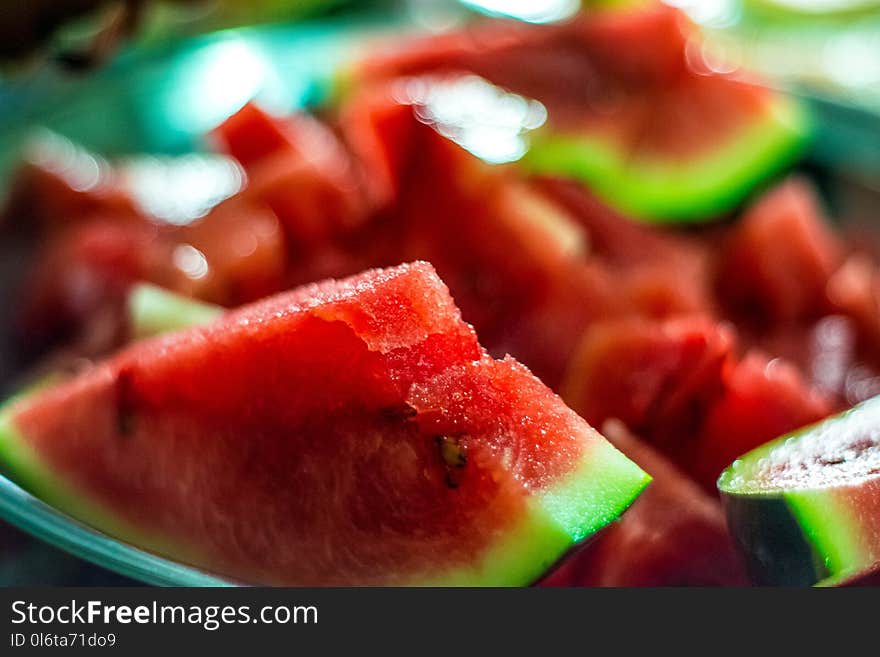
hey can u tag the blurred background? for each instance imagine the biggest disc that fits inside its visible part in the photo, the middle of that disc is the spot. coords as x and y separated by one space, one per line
124 77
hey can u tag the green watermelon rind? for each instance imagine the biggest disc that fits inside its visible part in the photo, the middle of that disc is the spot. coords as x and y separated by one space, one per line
827 525
154 310
830 529
604 485
699 189
779 12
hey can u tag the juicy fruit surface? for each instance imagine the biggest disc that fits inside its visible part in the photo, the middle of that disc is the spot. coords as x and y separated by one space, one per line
411 444
841 451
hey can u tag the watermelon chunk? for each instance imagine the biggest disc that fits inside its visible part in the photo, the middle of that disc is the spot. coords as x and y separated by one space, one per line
631 111
659 378
80 278
777 262
300 169
82 272
806 507
349 432
656 273
60 183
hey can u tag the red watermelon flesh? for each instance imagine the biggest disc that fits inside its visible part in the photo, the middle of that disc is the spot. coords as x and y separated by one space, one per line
60 183
250 135
674 534
659 378
514 260
348 432
762 399
380 132
80 279
614 238
779 258
680 383
300 169
657 273
243 247
854 291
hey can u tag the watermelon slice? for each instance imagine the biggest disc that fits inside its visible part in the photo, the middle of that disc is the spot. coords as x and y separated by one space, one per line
806 506
348 432
657 131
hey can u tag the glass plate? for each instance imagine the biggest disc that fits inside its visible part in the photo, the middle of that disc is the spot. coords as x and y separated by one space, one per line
40 520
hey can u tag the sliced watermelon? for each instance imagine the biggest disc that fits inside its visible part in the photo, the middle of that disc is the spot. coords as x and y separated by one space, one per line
806 506
674 534
631 111
777 262
347 432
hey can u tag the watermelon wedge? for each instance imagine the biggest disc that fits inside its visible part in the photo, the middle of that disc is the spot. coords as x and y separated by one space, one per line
634 109
806 507
349 433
